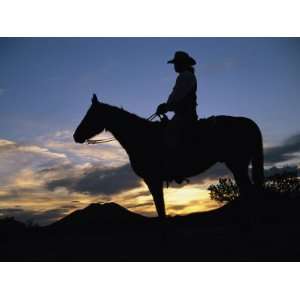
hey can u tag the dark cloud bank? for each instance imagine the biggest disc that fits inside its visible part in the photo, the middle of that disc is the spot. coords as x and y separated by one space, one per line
99 181
285 151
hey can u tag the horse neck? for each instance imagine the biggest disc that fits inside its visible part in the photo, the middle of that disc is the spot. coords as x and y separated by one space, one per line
126 128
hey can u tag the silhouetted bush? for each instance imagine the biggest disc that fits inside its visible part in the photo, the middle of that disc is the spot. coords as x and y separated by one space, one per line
224 191
287 184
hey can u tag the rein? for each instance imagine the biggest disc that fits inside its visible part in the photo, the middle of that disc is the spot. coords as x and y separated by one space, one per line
102 141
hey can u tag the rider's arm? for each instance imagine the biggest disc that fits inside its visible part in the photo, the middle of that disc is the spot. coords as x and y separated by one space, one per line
184 83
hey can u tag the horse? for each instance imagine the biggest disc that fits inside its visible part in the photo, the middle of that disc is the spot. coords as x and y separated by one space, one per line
234 141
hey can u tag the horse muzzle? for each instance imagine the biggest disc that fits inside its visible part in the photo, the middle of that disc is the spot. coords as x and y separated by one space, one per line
78 139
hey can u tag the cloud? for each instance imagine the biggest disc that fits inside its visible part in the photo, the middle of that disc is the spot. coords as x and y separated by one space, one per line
284 152
5 143
15 157
40 151
7 146
2 91
109 155
99 181
281 170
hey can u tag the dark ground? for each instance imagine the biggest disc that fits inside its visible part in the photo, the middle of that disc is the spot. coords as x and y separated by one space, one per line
265 230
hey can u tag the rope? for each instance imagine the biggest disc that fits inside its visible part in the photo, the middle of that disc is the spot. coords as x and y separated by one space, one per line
102 141
91 142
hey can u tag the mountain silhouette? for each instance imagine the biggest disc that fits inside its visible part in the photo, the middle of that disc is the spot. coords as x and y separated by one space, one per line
265 230
97 217
10 227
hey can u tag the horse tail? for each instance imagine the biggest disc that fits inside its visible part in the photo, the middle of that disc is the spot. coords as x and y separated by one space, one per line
258 161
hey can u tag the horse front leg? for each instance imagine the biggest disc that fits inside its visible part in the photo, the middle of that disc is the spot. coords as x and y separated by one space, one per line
156 189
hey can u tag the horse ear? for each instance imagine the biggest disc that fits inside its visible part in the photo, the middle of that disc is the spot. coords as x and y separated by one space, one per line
95 99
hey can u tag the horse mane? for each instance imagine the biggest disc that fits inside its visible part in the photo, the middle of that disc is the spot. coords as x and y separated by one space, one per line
121 114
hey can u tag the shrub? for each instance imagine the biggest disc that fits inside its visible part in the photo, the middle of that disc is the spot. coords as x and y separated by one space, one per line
287 184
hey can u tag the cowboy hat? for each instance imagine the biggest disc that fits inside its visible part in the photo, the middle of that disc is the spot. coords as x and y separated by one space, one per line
182 58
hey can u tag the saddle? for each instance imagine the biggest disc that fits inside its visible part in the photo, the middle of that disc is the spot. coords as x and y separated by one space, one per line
198 129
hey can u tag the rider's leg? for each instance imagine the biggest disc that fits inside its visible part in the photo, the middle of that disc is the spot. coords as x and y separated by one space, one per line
171 135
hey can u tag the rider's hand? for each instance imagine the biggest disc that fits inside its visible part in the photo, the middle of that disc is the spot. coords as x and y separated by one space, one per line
161 109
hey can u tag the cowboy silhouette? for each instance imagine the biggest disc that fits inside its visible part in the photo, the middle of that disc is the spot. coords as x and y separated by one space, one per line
182 101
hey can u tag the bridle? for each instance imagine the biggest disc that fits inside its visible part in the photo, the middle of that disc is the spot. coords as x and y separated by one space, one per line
102 141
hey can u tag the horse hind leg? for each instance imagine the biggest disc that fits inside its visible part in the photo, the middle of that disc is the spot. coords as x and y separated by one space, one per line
248 197
258 164
241 176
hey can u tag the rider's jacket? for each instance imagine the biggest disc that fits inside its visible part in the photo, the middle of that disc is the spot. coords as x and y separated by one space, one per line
183 98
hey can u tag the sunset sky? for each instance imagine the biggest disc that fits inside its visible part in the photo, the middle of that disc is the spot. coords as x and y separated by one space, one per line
45 89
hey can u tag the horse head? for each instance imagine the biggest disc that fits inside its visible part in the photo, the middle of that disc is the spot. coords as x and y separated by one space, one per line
92 123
